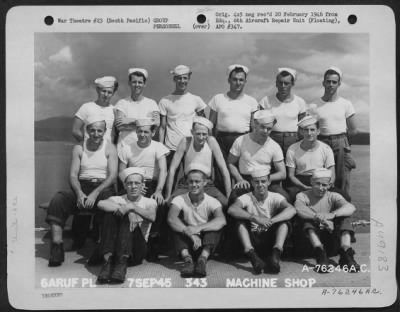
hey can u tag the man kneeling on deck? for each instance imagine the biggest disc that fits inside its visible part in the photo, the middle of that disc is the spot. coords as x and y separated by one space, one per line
196 219
325 214
126 227
262 222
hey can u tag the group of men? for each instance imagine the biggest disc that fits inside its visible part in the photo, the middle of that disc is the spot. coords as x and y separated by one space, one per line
247 171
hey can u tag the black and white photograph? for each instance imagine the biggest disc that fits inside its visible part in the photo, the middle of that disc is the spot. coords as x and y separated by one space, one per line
172 155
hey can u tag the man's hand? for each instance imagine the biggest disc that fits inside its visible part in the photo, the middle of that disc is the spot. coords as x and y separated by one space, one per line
91 199
262 221
81 200
122 210
243 184
191 230
196 242
158 197
132 221
144 190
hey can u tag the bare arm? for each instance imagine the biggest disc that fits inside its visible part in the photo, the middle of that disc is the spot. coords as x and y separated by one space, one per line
291 173
213 118
78 129
232 162
148 214
303 211
108 205
280 173
333 178
74 170
351 125
216 223
219 159
176 160
163 126
346 210
174 221
287 213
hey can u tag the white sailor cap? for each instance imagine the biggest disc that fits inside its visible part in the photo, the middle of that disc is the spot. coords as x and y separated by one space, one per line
320 173
130 170
233 66
337 70
264 116
138 70
181 70
144 122
307 121
94 118
198 167
203 121
260 171
291 71
105 82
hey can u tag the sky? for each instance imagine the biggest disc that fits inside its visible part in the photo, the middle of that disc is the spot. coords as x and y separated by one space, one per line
66 65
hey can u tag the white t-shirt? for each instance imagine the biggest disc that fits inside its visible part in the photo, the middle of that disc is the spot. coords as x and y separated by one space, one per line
179 110
327 203
196 215
269 208
90 109
332 115
135 109
147 158
234 115
144 203
306 161
252 154
286 113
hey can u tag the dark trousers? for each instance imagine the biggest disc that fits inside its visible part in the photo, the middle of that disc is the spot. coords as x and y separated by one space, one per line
116 238
208 239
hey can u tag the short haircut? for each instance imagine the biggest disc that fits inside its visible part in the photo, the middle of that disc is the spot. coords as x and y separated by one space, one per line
138 74
237 70
285 73
331 72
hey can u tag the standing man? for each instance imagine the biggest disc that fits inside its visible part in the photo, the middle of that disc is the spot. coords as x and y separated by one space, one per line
126 227
232 112
253 150
134 107
337 121
326 214
287 107
196 219
204 149
151 156
178 109
262 222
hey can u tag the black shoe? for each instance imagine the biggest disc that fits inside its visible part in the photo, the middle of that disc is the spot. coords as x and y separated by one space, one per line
256 262
56 254
273 262
96 258
119 272
105 272
322 260
347 259
200 268
188 267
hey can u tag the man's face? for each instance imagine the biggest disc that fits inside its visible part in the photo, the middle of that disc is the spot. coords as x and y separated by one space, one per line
134 185
260 185
196 182
144 134
200 134
310 133
331 83
105 94
96 131
263 130
237 81
320 186
137 84
181 82
284 85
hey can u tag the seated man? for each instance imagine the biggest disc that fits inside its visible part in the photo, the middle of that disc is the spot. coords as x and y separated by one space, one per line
92 174
326 213
126 227
196 219
262 222
305 156
199 148
151 156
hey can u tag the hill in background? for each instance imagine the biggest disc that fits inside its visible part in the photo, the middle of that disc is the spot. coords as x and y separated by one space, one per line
59 129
